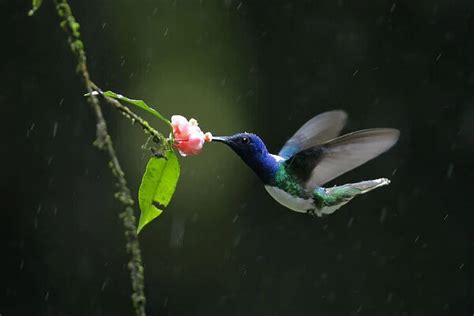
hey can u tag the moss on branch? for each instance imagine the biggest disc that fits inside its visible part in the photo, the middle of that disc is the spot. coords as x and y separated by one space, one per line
69 24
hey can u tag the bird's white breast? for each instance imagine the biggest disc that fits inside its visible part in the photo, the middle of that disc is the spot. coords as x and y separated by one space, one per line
292 202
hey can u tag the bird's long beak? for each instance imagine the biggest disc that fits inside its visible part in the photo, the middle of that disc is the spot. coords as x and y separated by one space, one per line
222 139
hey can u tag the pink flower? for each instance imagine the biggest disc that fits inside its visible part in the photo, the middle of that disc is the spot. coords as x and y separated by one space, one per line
188 137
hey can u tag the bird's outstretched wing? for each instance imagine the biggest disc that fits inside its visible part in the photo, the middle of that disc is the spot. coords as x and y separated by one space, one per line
317 130
319 164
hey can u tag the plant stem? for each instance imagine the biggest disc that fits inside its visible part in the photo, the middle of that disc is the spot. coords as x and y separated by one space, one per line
104 142
157 137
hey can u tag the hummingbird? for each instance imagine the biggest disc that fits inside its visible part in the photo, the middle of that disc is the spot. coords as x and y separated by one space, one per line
313 156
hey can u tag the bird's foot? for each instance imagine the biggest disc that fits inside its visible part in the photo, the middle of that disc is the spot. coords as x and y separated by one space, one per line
313 212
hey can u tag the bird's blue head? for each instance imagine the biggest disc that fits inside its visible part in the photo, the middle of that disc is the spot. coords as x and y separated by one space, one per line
253 152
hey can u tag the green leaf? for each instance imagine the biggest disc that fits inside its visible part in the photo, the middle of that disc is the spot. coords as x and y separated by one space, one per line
34 6
157 187
139 103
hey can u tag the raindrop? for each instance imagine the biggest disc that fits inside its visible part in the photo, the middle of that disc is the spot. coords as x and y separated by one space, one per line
393 7
30 130
177 231
104 284
236 241
449 172
383 215
351 220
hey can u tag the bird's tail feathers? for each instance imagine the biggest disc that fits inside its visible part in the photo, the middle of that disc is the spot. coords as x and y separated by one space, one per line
328 200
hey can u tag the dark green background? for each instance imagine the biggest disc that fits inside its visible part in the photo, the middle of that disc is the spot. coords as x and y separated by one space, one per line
224 247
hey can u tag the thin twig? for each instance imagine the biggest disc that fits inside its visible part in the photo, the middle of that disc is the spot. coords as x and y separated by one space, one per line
104 141
157 137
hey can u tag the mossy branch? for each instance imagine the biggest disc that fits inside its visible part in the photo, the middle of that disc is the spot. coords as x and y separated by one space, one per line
71 27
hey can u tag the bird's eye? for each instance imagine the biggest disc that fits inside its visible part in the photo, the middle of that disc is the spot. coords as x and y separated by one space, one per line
244 140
